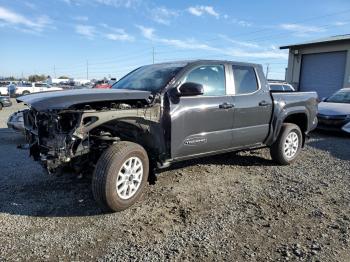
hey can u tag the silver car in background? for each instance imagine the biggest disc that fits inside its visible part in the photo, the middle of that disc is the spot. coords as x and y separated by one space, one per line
15 121
281 86
334 112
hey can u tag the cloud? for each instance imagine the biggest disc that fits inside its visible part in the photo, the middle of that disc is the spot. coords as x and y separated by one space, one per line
113 3
301 30
118 34
243 23
30 5
339 23
268 54
200 10
147 32
236 21
119 37
192 44
86 30
103 30
81 18
120 3
8 18
240 43
163 15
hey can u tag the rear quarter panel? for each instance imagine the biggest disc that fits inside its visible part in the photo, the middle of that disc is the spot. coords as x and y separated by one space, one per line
286 104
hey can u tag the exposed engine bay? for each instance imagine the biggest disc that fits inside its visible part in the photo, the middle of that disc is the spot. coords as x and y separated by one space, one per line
76 136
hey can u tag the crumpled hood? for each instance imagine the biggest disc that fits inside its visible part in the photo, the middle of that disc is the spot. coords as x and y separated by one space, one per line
67 98
333 109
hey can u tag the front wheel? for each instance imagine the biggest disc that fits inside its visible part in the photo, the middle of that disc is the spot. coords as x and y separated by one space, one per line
288 144
120 176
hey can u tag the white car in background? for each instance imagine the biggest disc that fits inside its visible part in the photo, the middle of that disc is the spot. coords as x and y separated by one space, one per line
281 87
334 112
28 88
4 88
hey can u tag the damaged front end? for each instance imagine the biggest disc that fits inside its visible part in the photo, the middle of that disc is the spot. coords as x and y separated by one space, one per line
51 137
76 136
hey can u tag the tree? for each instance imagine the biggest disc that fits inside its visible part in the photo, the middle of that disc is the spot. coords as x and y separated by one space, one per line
36 78
63 77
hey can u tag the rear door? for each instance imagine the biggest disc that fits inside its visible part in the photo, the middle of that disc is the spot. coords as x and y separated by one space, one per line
202 124
252 106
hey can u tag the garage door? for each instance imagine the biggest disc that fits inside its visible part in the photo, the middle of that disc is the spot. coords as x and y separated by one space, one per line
323 72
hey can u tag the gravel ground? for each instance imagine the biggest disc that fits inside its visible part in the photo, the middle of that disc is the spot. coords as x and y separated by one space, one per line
234 207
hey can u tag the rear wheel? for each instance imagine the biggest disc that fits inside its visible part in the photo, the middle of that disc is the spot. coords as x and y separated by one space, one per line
288 144
25 93
1 106
120 176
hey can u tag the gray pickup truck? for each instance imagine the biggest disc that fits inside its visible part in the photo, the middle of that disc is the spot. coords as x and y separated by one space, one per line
160 114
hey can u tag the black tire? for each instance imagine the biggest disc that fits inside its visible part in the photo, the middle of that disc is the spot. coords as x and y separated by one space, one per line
25 93
277 150
104 180
1 106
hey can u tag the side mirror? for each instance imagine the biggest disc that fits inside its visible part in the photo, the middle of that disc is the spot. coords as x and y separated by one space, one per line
191 89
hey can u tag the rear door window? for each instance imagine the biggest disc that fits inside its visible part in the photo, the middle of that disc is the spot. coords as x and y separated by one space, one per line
245 79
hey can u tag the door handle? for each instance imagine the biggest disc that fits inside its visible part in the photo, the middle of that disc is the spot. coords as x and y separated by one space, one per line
263 103
226 106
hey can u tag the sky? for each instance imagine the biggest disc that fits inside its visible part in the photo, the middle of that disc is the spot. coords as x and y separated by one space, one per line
108 38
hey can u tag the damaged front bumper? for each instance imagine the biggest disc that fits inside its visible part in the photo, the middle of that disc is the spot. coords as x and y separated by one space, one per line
51 138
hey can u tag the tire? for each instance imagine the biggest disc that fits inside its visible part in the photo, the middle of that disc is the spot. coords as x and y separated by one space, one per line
25 93
279 153
111 167
1 106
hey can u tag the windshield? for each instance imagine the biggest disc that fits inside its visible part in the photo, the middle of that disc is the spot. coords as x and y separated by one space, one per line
149 78
342 96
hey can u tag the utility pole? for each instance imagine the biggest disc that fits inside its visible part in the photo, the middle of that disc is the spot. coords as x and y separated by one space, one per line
267 70
87 69
54 70
153 54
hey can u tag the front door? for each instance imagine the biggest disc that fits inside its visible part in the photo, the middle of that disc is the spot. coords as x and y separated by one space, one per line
202 124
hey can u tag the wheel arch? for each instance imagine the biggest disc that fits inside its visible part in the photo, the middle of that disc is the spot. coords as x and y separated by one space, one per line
146 133
296 115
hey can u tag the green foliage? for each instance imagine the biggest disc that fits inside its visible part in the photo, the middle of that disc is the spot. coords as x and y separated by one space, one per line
36 78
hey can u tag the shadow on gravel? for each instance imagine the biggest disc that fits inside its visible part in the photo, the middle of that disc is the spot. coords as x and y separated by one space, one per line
55 197
8 136
325 141
26 189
